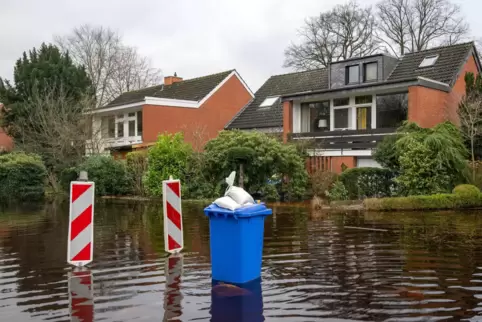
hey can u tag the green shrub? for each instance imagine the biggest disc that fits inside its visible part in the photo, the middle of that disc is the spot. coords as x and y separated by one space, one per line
386 153
432 202
367 182
136 163
168 157
321 182
431 160
68 175
338 192
269 158
22 177
110 175
466 190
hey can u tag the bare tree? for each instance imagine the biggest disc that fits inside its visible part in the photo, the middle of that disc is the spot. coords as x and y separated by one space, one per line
60 130
112 66
392 27
344 32
470 114
414 25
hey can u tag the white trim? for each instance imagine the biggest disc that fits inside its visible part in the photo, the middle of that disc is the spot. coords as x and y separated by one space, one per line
116 108
235 73
296 117
432 81
340 153
148 100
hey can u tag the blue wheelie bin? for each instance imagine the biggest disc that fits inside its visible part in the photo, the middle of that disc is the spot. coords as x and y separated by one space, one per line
236 240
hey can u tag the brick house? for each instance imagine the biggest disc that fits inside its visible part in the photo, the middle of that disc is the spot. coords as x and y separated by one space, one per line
198 107
348 107
6 142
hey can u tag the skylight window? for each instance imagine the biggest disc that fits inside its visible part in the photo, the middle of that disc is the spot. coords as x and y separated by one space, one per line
269 101
428 61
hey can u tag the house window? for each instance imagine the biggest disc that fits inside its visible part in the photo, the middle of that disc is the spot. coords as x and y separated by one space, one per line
341 118
108 127
269 101
367 99
315 117
139 123
370 72
352 74
341 101
132 128
392 110
428 61
120 128
363 118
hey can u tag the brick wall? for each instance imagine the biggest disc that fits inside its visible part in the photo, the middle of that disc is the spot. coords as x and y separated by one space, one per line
426 106
429 107
198 125
6 142
287 119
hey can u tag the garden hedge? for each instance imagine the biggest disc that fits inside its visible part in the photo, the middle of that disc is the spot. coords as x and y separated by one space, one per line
432 202
368 182
22 177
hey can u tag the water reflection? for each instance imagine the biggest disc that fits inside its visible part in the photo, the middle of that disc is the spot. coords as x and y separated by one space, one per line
426 266
81 296
236 302
172 294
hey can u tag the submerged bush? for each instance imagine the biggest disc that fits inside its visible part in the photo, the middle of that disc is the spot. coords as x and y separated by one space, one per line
268 158
431 202
321 182
136 163
22 177
168 157
110 175
338 192
368 182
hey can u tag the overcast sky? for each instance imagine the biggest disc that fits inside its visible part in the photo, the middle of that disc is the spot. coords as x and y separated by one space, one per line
192 38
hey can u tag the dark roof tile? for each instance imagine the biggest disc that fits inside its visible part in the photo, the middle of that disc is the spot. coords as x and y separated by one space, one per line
445 69
194 89
253 116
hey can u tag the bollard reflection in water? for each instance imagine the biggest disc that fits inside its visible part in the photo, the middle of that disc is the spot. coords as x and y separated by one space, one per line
81 295
173 295
237 302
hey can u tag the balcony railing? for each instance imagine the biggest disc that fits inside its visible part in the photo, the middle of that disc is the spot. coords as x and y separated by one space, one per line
345 139
118 142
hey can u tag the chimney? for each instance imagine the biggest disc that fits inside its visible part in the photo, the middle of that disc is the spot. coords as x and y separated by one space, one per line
169 80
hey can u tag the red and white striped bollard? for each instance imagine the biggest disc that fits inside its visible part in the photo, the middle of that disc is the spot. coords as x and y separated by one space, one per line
173 232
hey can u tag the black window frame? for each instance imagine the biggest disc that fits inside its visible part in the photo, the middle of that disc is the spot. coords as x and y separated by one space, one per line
365 71
347 109
347 74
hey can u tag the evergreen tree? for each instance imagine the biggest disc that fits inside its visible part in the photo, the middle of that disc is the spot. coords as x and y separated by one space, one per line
43 72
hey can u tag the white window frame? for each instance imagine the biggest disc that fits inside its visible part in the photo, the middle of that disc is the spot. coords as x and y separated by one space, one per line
269 101
125 118
352 107
428 61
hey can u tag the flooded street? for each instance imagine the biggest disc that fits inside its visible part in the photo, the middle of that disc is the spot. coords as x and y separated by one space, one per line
413 267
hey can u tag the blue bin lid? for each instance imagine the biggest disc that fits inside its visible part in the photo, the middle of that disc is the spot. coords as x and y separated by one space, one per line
244 212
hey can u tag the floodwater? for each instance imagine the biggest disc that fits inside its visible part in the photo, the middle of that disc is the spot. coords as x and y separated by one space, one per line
316 267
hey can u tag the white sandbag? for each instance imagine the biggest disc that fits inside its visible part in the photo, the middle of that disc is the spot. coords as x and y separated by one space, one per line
227 203
239 195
